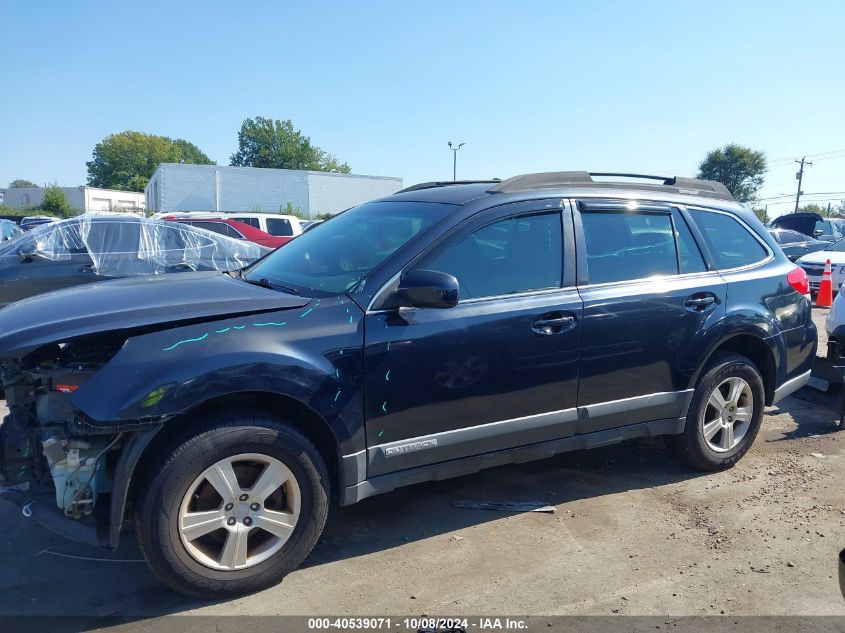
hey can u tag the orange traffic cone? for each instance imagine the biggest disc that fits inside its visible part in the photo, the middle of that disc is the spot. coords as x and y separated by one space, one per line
825 297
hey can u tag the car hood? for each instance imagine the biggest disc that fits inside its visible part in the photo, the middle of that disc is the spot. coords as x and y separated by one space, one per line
820 257
802 222
134 302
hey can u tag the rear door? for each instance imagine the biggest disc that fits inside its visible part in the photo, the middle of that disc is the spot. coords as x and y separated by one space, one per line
648 298
497 371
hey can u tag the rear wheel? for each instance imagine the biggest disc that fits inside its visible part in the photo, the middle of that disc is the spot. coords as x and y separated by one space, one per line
234 507
724 416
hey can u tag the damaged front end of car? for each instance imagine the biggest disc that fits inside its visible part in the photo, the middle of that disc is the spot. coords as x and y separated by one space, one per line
86 386
46 443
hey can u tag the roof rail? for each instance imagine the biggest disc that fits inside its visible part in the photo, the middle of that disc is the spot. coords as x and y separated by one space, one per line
446 183
557 179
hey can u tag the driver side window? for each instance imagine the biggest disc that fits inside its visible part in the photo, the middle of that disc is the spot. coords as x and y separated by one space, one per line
509 256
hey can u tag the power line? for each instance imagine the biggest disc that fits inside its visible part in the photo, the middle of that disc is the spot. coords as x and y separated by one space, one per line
773 203
833 151
817 193
788 159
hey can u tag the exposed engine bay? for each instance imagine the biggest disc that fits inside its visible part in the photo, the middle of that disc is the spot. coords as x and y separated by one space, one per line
45 440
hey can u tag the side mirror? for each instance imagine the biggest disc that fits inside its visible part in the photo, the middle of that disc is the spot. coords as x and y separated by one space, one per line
428 289
818 233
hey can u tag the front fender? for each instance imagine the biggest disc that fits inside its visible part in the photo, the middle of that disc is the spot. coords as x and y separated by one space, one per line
313 356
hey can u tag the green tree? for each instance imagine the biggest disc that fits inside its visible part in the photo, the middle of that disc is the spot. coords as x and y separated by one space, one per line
761 214
55 202
291 209
190 153
20 183
814 208
740 169
276 144
126 160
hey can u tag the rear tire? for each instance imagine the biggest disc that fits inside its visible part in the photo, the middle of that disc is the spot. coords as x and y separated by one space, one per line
232 506
724 416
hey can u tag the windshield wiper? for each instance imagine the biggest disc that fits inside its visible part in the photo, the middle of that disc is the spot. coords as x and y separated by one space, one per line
266 283
287 289
263 282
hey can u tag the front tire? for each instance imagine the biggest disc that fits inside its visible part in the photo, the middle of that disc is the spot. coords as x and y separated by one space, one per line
724 416
233 506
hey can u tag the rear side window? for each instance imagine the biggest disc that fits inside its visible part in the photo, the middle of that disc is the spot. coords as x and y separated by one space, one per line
253 222
506 257
279 227
625 246
731 244
791 237
214 227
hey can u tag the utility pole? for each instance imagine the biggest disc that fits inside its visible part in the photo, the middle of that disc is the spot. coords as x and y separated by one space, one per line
800 176
455 159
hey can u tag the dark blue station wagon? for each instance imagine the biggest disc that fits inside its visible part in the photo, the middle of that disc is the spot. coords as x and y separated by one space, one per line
441 330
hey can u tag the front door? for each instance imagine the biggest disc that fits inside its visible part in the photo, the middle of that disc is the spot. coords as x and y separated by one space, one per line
497 371
38 274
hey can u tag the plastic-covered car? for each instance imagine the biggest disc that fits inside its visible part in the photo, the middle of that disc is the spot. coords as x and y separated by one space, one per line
31 221
91 248
9 230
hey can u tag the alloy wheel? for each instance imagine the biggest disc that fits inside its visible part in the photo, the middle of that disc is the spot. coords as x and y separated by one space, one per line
727 415
239 512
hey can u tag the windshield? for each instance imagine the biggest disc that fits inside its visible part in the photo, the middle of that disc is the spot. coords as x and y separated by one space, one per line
334 256
830 227
839 247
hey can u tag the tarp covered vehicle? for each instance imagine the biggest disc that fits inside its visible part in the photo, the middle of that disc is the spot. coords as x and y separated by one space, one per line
92 248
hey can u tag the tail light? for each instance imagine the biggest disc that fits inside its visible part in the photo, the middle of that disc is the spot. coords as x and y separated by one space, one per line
797 278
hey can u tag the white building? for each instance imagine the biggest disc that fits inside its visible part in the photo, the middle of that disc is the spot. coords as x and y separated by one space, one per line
179 187
89 199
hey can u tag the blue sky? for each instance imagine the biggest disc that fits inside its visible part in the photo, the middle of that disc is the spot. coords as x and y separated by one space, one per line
529 86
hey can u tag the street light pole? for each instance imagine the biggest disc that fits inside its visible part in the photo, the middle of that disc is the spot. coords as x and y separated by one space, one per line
455 159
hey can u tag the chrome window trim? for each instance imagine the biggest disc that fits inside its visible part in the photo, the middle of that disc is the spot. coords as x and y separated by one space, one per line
470 301
648 280
395 278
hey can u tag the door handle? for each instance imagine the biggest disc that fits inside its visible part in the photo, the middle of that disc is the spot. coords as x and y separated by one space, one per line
553 323
700 303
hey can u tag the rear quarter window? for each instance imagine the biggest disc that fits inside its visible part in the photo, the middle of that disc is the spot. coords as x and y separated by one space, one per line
731 244
279 227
